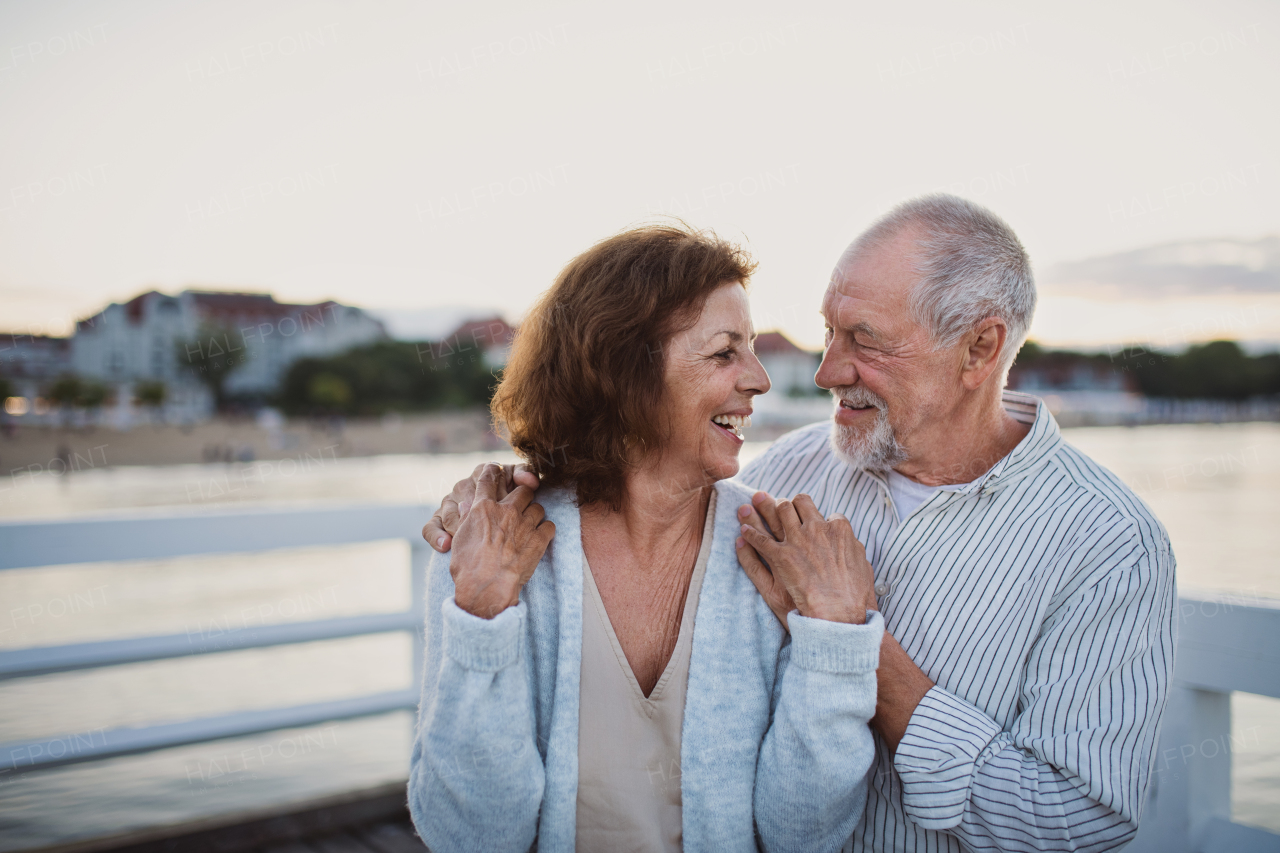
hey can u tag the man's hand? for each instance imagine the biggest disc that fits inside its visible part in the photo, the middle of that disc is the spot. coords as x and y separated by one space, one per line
499 545
454 508
816 565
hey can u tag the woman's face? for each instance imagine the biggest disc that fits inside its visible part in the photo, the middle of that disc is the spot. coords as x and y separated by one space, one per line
712 374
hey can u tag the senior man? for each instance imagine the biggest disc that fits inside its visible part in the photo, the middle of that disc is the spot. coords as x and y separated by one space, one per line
1028 594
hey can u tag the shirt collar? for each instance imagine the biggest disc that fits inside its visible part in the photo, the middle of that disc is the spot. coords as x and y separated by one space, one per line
1036 447
1034 450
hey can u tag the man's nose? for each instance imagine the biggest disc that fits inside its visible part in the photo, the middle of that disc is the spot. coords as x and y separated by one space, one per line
836 370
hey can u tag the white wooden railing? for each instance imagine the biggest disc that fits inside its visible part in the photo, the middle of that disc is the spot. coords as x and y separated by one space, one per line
1225 644
137 537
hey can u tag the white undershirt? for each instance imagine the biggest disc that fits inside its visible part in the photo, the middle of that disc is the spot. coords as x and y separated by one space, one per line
908 494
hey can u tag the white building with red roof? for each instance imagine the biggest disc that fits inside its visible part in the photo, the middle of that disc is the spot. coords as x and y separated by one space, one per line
145 338
791 368
489 338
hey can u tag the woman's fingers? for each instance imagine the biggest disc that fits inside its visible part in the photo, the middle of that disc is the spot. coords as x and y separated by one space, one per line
806 509
788 519
764 504
765 544
773 593
747 515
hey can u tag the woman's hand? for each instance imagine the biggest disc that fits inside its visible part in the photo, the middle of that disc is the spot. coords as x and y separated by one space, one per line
453 509
808 563
498 546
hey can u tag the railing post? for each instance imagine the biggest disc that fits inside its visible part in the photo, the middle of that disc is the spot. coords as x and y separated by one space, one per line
419 557
1191 780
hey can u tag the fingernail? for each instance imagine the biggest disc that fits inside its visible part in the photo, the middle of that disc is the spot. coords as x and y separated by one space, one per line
440 542
744 511
745 528
740 543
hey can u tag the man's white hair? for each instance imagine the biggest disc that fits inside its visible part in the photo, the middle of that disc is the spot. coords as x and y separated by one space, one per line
971 266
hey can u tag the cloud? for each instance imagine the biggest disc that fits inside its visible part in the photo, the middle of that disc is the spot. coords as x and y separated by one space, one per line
1185 268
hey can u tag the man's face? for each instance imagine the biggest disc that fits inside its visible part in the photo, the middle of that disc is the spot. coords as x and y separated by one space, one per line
891 387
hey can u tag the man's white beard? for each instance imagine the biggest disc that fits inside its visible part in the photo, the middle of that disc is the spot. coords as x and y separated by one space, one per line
877 448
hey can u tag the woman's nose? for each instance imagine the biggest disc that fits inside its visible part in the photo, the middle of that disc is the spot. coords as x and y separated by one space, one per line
757 379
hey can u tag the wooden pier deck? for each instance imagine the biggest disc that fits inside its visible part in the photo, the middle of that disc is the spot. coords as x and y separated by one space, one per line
374 820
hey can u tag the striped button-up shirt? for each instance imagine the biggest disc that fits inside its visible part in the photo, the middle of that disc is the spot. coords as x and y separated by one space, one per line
1039 598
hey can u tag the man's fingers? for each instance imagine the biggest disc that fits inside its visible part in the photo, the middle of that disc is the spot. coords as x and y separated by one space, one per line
450 516
547 530
464 491
768 509
435 534
488 482
806 509
520 498
522 475
535 513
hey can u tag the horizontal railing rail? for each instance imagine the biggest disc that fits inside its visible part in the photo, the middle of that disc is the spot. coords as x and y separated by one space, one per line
41 660
108 538
1226 643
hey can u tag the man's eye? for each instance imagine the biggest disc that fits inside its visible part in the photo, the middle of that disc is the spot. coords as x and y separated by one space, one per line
725 354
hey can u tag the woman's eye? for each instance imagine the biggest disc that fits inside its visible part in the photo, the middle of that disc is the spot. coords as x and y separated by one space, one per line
725 355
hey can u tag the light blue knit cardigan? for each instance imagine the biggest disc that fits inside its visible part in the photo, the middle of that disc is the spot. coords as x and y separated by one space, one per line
774 740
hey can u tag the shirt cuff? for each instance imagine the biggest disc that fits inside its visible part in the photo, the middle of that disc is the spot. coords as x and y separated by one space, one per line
937 758
839 647
485 645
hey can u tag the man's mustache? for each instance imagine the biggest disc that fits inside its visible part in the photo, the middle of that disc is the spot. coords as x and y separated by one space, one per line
859 396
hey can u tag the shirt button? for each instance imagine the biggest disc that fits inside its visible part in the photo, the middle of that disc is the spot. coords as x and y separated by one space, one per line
882 589
887 502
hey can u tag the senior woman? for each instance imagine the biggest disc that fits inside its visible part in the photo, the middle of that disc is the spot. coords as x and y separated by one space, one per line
601 674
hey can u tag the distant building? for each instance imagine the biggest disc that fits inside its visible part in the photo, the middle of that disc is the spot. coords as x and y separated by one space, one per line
145 339
1055 372
1077 388
32 362
489 338
791 369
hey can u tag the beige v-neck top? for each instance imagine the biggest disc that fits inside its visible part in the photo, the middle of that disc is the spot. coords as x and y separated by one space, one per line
629 745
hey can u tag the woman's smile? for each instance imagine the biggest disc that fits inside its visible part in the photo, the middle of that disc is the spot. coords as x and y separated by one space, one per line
732 424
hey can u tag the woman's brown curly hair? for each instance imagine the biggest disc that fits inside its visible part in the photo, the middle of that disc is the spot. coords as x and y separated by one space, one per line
584 384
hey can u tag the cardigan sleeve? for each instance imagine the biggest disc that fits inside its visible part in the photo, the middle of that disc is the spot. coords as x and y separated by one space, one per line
811 780
476 777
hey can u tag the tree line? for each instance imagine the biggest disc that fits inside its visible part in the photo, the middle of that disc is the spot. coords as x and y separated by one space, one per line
1219 370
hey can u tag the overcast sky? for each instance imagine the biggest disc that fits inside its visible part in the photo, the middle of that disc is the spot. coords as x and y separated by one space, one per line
413 156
